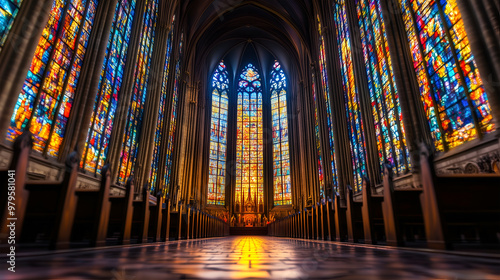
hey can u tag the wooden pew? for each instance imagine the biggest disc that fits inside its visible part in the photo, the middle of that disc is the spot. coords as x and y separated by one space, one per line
165 224
140 220
327 231
339 219
155 218
373 218
354 217
317 226
51 207
19 164
120 219
173 231
188 221
183 218
454 205
194 225
330 210
322 218
402 212
309 226
91 219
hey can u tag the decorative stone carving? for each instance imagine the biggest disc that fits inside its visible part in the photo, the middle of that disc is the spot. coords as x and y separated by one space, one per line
87 183
484 161
5 156
43 169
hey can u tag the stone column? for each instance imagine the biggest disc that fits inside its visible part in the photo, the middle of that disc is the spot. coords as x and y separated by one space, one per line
17 54
309 144
337 101
309 111
180 144
154 91
482 23
323 128
81 113
295 163
168 111
414 118
301 155
186 120
120 122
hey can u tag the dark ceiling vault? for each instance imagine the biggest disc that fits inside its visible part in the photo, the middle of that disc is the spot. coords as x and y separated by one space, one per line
223 30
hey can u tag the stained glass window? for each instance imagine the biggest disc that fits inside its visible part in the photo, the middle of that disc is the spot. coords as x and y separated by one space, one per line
389 129
281 152
159 136
8 12
134 125
326 94
173 120
249 191
450 85
218 138
354 124
96 146
318 141
47 95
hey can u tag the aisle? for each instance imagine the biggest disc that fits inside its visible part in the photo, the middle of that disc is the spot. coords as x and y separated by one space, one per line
258 257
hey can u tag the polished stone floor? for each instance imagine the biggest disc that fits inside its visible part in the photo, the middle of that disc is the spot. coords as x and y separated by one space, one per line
245 257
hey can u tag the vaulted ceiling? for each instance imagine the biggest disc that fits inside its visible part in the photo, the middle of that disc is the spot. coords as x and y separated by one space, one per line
233 29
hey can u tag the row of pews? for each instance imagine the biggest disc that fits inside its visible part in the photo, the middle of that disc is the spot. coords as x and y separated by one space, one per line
57 215
444 212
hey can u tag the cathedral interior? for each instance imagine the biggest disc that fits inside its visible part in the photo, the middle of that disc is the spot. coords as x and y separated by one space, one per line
250 139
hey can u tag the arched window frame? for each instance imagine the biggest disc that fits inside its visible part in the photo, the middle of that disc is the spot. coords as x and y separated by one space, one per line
8 12
133 128
351 96
46 98
155 184
282 183
326 94
252 161
451 88
384 96
106 102
218 136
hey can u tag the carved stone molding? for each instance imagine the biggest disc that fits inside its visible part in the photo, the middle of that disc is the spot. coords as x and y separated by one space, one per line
5 156
483 158
40 168
87 183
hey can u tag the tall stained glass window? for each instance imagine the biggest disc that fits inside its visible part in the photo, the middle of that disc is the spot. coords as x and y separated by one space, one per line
281 152
391 141
173 120
318 140
47 95
326 94
450 85
159 135
355 124
96 147
249 191
134 125
8 12
218 138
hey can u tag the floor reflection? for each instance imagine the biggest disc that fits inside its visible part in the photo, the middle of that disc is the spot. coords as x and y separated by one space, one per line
248 257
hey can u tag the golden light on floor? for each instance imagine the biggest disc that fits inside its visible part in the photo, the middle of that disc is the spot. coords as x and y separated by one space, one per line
256 258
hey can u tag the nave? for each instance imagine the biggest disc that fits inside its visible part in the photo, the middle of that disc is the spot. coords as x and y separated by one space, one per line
253 257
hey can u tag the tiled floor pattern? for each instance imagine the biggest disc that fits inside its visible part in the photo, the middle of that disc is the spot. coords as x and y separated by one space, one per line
245 257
